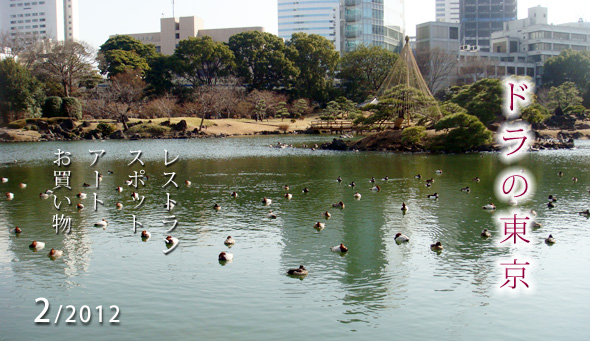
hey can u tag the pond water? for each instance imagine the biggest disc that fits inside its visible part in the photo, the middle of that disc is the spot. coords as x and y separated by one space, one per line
377 289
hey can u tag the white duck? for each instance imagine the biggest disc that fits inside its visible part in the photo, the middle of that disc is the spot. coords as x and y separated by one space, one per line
81 195
9 196
550 240
234 194
512 201
53 253
43 195
401 238
36 246
404 207
489 206
266 201
225 256
271 215
289 196
119 189
339 248
4 179
102 223
357 196
319 226
229 241
22 185
118 205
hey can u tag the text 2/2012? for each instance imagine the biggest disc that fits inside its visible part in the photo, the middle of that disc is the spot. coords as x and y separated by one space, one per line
85 313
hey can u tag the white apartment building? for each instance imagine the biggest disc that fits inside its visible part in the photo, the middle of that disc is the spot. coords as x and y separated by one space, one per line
321 17
173 30
55 19
448 11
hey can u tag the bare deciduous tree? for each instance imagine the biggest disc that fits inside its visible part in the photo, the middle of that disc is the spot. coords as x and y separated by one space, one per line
438 67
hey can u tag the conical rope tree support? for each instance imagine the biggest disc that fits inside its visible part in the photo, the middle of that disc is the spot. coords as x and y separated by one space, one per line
405 72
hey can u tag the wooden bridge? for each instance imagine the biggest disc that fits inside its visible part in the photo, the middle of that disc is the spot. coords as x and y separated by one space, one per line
341 126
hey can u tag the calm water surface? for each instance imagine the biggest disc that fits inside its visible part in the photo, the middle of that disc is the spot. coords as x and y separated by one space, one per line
376 290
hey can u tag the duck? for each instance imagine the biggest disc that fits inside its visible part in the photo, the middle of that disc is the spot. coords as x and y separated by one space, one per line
4 179
438 171
135 196
35 245
79 206
187 182
418 176
327 215
339 248
145 235
43 195
372 180
225 256
485 233
85 185
81 195
550 204
552 197
119 189
339 179
386 178
109 171
535 225
585 213
118 205
286 188
550 240
271 215
234 194
376 188
466 189
352 184
436 246
216 207
512 201
229 241
266 201
404 207
432 196
9 196
401 238
533 213
338 204
319 226
102 223
559 173
170 241
300 271
574 180
357 196
22 185
305 190
53 253
16 230
430 181
476 179
288 196
489 206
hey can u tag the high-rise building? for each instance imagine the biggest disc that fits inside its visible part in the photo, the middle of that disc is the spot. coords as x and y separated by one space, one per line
347 23
448 11
373 22
479 18
321 17
55 19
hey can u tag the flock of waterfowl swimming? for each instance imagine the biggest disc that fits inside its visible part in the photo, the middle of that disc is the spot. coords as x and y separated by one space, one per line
301 271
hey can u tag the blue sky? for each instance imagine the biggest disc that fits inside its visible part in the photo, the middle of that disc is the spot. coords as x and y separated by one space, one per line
101 18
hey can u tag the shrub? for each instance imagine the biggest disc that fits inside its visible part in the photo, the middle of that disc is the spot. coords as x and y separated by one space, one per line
466 133
149 128
52 107
71 107
535 113
105 129
413 135
284 127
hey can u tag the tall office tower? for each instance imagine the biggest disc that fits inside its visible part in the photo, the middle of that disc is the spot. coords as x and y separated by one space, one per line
447 10
479 18
55 19
320 17
372 22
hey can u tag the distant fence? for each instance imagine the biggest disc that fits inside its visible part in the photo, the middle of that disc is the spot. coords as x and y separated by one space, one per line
348 126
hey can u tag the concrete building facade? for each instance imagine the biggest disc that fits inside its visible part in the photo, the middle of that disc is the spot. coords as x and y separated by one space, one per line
448 10
173 30
479 18
54 19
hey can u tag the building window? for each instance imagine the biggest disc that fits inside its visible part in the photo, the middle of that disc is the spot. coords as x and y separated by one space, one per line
453 33
177 35
177 26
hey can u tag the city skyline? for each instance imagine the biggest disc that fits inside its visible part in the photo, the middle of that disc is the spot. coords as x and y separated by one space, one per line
147 13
